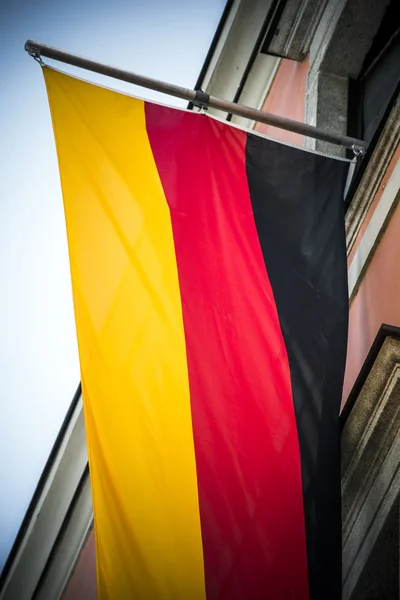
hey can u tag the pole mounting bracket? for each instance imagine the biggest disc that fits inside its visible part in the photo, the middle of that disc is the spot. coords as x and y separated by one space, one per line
201 99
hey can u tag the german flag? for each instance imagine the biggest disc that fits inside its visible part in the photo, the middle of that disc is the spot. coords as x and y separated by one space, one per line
210 289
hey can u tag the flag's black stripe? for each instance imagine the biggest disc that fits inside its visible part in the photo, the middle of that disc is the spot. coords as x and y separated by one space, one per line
297 199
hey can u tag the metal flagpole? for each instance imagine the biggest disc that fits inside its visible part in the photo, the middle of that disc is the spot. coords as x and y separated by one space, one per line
197 97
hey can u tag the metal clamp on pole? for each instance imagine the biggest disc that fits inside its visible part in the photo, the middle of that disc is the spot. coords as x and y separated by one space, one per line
34 52
201 99
359 151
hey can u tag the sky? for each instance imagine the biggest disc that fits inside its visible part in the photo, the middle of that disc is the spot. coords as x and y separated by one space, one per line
39 365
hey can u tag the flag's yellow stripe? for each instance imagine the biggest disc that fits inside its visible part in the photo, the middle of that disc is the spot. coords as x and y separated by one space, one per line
131 344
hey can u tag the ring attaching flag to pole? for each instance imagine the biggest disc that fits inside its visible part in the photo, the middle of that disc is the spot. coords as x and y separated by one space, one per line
210 289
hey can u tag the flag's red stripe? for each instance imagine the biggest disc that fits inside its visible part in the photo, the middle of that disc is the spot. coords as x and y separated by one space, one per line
246 444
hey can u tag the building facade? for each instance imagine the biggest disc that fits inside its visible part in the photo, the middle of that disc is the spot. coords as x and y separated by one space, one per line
334 64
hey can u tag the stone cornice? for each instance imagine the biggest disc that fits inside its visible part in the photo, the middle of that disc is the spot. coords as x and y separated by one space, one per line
370 466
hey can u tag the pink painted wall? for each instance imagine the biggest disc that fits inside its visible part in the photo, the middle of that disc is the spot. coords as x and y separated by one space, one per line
286 98
377 300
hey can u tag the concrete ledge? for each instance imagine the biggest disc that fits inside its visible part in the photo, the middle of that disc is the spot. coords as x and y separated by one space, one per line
370 462
296 29
51 508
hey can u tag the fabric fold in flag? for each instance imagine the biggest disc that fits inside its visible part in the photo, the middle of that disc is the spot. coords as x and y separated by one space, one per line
209 281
